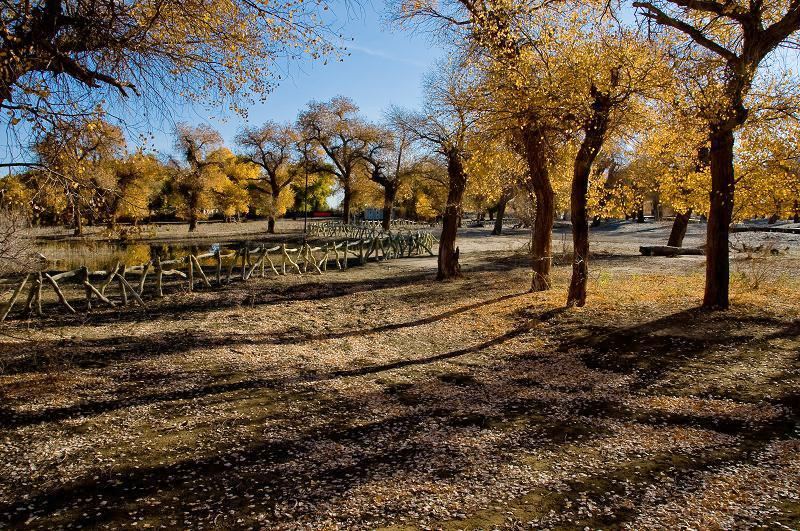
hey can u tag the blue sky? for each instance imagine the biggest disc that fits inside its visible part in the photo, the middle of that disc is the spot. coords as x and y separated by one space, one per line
385 66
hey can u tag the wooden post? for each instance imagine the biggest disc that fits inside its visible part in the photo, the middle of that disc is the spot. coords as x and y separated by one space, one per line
233 264
336 255
283 256
201 272
122 289
109 278
91 290
245 262
272 264
133 291
263 260
144 276
84 274
191 272
29 300
59 293
159 277
218 257
39 295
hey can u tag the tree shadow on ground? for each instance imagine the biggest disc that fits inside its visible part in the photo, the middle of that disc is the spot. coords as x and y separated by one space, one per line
414 425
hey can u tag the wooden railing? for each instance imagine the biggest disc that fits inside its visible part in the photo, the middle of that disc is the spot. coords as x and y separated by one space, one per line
240 265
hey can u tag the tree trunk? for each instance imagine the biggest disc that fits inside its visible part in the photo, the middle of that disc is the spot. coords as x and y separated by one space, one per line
275 193
78 219
679 227
500 213
594 136
656 208
448 266
640 214
346 202
797 210
719 220
576 295
192 221
539 184
389 193
773 219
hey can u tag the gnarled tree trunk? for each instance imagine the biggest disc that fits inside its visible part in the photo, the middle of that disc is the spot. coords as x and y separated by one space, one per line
719 220
594 136
448 266
540 187
346 202
389 193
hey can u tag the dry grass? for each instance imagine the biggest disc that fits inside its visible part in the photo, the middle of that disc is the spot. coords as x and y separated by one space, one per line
379 397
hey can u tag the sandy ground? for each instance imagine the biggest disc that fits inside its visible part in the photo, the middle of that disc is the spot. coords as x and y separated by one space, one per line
379 398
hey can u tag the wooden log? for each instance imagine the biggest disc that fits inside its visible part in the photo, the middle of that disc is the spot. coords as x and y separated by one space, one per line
176 273
59 293
159 277
66 275
245 262
666 250
200 271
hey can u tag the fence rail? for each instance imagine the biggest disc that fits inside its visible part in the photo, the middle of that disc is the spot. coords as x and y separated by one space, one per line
364 229
238 265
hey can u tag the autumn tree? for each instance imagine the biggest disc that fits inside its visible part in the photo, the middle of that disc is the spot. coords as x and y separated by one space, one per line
496 173
723 43
503 39
78 157
391 160
273 147
138 178
609 70
199 174
62 58
445 125
336 127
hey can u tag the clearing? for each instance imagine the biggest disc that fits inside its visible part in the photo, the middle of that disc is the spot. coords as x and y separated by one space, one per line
377 397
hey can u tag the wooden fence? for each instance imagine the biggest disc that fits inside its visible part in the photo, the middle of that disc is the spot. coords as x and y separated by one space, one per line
240 264
364 229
